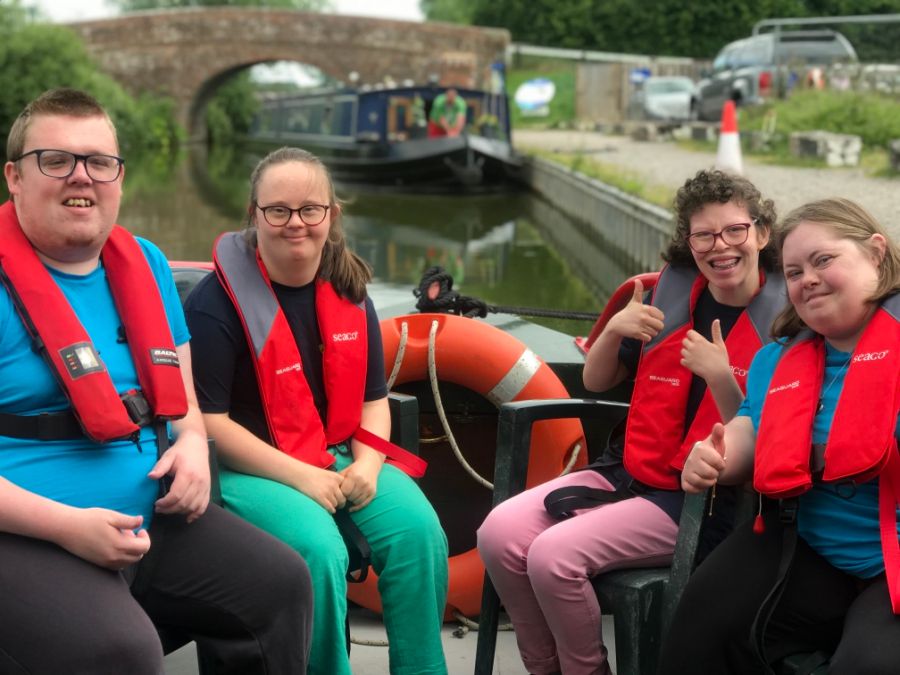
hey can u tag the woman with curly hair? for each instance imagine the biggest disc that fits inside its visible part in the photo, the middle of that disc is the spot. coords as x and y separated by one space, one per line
687 346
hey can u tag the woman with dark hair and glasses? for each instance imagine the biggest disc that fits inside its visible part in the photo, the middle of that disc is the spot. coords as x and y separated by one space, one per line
289 372
687 348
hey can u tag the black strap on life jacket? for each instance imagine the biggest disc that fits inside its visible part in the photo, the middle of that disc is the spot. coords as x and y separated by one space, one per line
360 551
787 514
63 425
142 572
563 502
46 426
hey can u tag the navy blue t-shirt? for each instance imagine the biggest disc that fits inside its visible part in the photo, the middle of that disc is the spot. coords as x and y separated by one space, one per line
223 370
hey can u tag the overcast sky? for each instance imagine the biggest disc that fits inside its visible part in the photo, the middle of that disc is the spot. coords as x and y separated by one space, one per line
67 10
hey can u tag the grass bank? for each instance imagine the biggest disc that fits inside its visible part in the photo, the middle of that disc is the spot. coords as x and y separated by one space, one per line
874 117
626 181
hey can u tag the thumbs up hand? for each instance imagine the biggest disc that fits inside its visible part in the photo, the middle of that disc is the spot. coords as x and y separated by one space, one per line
706 359
637 320
705 462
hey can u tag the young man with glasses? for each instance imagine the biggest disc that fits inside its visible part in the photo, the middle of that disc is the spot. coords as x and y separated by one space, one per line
106 531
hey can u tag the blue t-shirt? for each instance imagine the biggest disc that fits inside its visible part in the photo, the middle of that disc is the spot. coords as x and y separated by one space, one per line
837 521
79 472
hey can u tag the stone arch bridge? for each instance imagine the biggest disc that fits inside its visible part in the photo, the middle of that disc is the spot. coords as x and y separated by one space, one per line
187 53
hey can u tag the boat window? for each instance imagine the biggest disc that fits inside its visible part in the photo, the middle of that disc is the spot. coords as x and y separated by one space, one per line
315 119
341 118
297 120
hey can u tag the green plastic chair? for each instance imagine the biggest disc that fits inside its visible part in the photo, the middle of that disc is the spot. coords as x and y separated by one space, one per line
641 601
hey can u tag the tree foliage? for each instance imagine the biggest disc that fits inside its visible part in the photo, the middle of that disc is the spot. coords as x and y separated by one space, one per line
136 5
35 57
232 109
452 11
663 27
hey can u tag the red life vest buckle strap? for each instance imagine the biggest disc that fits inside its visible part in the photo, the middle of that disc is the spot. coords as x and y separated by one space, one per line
888 501
403 459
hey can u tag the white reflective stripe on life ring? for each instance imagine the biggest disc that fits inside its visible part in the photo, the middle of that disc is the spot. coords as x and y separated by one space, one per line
515 379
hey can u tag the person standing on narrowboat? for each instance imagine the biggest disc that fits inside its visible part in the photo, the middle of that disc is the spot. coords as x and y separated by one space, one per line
290 377
688 352
106 531
448 115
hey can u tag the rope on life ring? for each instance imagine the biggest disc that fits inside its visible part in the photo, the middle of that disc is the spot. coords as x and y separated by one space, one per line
398 359
445 423
494 364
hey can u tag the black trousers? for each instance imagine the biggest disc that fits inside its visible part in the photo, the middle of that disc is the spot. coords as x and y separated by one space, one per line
821 608
244 596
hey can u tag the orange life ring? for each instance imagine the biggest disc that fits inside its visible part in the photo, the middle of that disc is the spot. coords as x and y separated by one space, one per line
484 359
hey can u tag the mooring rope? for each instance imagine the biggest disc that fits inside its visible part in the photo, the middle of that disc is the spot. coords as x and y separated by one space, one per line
435 294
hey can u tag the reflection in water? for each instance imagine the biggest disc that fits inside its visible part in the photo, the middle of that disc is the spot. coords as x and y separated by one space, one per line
510 249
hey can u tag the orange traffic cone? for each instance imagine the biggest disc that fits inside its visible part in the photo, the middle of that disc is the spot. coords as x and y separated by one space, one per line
728 157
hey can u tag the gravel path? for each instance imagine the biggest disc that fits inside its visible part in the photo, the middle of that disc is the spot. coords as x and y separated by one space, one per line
664 163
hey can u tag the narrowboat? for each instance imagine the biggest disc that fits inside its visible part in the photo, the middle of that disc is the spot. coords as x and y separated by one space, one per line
379 136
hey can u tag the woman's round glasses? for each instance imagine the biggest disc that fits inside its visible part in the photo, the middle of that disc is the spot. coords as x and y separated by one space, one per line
278 216
733 235
61 164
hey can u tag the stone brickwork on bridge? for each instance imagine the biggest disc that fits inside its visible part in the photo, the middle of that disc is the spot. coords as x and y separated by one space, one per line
187 53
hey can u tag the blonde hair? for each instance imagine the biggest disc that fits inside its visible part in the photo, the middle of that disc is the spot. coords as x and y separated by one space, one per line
849 221
346 271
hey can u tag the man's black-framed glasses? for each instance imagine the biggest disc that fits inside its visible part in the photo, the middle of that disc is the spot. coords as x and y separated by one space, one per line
733 235
277 215
61 164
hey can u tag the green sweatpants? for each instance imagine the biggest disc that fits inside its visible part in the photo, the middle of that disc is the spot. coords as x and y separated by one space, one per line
409 554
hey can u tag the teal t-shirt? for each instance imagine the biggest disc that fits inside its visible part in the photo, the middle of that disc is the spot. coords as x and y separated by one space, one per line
78 472
839 522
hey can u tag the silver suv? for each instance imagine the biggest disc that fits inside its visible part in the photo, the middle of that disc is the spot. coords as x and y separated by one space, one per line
746 71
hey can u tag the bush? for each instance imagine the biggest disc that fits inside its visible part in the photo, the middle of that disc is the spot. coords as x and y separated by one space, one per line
231 110
38 57
874 117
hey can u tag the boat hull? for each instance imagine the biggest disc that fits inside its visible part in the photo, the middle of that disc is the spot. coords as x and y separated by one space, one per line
460 163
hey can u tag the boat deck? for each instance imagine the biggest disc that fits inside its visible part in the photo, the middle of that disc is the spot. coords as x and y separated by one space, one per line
366 660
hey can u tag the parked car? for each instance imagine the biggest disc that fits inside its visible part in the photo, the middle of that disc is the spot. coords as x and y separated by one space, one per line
751 70
664 98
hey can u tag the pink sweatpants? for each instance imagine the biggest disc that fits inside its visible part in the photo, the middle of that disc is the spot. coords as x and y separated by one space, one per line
541 568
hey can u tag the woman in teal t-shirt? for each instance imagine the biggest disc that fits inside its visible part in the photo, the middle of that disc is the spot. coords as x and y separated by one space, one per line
838 342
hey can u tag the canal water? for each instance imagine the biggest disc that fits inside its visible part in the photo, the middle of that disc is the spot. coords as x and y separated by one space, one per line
509 249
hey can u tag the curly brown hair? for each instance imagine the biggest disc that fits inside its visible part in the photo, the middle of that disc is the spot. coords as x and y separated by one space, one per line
712 186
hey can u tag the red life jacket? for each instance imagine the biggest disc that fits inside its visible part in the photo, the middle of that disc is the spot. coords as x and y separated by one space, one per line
293 420
656 442
861 442
66 347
